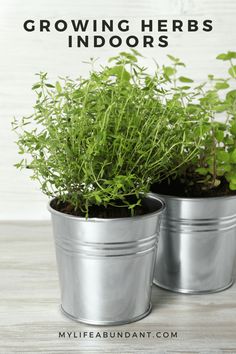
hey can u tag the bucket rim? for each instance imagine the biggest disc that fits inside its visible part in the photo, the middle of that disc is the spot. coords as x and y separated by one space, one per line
153 196
193 199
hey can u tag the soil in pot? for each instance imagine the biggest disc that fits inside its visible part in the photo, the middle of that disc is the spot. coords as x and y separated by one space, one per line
108 212
179 189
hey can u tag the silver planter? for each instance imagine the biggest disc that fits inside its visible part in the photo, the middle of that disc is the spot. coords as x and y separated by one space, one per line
197 246
106 266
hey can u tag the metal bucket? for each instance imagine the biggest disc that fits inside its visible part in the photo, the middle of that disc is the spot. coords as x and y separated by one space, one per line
106 266
197 246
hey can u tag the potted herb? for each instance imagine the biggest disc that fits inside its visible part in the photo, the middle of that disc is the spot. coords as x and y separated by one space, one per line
197 246
95 145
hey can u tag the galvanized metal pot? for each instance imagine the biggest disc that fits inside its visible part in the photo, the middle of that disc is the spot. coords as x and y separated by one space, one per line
106 265
197 245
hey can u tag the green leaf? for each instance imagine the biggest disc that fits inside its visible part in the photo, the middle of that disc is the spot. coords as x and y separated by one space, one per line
222 169
226 56
172 58
129 56
222 156
229 140
210 100
202 171
192 108
233 156
169 71
220 126
58 87
231 96
185 79
176 61
36 86
120 72
232 55
50 85
232 71
221 107
222 56
219 134
233 128
113 58
221 85
231 178
98 199
185 87
232 186
211 77
136 53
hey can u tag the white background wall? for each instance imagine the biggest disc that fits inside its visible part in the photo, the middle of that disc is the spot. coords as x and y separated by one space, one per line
22 54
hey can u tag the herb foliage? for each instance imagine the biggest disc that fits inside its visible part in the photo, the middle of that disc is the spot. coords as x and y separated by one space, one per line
101 139
215 163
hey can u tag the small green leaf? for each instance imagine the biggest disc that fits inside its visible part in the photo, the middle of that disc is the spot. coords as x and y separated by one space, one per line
136 53
221 107
222 156
226 56
222 56
231 96
50 85
129 56
112 59
36 86
202 171
231 178
211 98
229 140
98 199
221 85
185 79
232 186
219 134
232 71
172 58
120 72
58 87
185 87
211 77
222 169
232 55
233 128
169 71
192 108
233 156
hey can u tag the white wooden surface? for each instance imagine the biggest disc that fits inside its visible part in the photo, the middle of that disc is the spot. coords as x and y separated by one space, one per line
23 54
30 318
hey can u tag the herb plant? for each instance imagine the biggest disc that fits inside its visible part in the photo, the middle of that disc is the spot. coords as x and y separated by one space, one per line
102 140
213 170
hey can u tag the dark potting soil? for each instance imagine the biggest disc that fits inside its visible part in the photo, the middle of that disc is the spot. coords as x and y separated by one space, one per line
102 212
178 189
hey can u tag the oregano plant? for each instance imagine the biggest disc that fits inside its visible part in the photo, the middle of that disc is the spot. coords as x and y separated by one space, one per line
213 170
221 144
102 140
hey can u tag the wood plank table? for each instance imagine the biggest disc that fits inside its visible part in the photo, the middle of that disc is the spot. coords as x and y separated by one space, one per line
31 322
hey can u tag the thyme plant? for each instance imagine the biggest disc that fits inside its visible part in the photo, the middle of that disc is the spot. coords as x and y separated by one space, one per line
102 140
